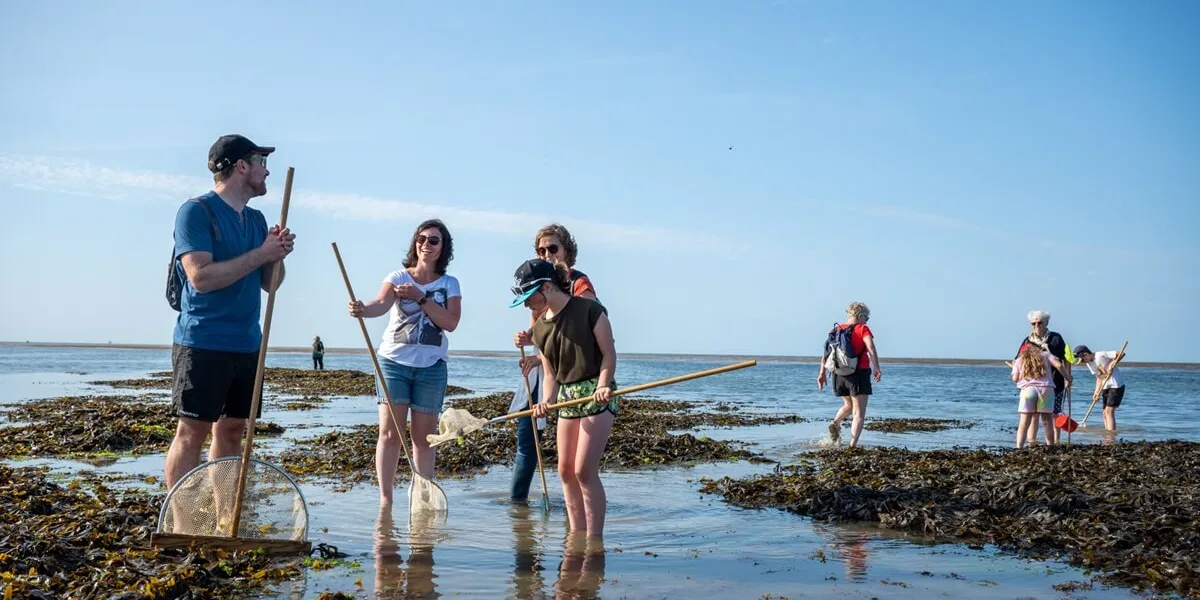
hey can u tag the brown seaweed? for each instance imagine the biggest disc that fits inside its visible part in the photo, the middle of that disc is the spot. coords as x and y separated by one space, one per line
640 438
1130 511
89 426
86 540
285 380
917 424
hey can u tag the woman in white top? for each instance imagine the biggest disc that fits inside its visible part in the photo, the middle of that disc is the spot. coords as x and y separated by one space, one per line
424 304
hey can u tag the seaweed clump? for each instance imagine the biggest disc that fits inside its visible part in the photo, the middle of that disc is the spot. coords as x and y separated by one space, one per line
89 426
918 424
72 542
640 438
1130 511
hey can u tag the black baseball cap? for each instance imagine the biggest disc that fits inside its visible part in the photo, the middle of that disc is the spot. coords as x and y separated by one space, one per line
528 279
229 149
1080 350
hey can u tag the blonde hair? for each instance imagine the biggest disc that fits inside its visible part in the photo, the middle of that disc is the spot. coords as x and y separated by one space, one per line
1033 365
858 310
571 250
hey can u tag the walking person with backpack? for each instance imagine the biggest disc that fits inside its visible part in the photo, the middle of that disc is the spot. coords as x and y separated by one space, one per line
851 357
224 258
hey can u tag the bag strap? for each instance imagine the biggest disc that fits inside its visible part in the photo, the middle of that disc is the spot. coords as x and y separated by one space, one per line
212 223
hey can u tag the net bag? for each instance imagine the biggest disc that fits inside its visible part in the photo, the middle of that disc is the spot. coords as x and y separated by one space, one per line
202 502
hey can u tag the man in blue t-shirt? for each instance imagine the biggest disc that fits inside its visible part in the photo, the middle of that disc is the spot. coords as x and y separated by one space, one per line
226 256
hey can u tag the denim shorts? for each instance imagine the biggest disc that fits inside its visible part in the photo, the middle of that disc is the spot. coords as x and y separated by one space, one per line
422 388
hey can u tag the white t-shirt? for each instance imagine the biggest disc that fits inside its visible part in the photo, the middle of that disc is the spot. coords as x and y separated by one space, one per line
411 338
1103 359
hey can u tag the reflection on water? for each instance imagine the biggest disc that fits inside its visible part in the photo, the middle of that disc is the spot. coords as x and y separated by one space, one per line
582 568
528 582
849 547
392 580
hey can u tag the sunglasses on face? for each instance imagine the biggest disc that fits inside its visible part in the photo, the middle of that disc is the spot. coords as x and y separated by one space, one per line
1040 324
259 159
432 241
551 249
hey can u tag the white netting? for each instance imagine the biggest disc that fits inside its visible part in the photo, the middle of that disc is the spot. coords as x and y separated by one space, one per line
426 496
202 502
453 423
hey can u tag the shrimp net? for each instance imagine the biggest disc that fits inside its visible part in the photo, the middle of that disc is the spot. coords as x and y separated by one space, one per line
454 423
202 502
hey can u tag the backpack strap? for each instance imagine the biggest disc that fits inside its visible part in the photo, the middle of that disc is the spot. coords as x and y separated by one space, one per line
212 223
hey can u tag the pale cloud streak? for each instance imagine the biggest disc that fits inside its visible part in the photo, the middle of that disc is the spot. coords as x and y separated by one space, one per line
82 178
914 217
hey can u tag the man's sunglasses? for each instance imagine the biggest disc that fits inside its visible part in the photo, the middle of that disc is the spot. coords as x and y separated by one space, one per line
256 158
517 290
432 241
551 249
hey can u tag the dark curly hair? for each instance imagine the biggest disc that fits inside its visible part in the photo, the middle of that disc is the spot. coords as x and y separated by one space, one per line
447 246
564 238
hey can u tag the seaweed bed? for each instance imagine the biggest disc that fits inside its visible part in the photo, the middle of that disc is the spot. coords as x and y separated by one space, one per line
640 438
1130 511
95 426
918 424
86 540
281 380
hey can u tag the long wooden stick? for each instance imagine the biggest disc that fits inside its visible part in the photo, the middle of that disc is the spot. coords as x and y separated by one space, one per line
1095 398
387 394
262 363
537 444
632 389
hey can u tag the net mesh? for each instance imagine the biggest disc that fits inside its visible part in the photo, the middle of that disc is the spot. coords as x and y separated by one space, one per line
202 502
453 423
425 496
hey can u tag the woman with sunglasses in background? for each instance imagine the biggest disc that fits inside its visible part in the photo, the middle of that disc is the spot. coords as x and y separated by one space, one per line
424 305
579 358
555 244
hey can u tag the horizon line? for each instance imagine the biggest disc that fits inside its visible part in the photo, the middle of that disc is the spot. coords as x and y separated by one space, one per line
773 358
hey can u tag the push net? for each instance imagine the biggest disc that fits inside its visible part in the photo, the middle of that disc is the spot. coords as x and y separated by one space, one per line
202 502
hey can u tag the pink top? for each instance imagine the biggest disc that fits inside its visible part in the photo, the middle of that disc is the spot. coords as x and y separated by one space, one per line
1044 384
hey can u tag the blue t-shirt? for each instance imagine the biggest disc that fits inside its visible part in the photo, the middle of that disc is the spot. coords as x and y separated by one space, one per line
226 319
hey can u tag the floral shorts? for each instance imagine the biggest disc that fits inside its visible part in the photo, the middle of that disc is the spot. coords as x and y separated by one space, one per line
583 389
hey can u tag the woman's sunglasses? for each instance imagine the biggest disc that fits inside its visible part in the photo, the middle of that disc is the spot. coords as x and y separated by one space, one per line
432 241
551 249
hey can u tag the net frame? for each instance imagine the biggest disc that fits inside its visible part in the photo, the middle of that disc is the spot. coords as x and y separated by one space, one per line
187 484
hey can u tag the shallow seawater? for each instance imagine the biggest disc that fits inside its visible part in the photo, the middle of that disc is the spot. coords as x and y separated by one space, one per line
663 538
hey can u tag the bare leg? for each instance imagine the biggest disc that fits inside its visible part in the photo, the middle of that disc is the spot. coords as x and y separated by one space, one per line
1023 423
860 415
1110 418
594 432
387 450
227 438
1031 436
1048 424
424 456
184 453
568 442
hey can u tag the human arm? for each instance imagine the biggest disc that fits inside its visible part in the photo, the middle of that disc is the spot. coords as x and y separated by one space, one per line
380 305
194 244
869 341
549 388
608 363
445 317
268 270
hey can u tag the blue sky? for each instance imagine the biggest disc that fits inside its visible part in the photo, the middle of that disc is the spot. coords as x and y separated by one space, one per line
952 164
